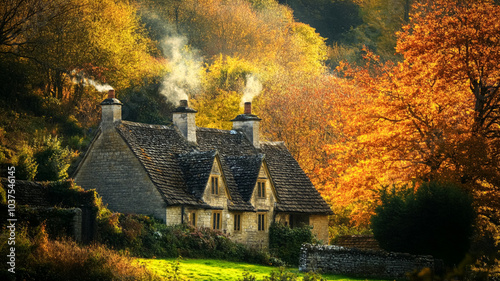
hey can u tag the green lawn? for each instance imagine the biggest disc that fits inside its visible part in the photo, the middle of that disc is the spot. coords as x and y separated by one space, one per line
205 269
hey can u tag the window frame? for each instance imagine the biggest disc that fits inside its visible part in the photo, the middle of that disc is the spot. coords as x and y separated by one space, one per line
214 185
261 189
237 222
261 221
216 221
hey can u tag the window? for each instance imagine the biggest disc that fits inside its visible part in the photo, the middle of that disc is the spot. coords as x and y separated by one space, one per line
261 189
192 218
216 223
261 222
237 222
214 182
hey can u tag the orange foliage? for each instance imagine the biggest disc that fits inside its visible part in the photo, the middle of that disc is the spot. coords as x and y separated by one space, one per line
432 117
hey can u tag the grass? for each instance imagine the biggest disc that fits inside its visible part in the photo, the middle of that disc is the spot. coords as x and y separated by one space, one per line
207 269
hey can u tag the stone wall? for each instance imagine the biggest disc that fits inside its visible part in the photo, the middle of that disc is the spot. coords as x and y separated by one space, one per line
114 171
367 264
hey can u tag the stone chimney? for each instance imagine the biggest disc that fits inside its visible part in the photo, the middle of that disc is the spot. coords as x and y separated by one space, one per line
111 110
184 119
248 124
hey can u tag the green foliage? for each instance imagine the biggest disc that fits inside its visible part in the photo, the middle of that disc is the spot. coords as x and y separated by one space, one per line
285 242
433 219
281 275
53 160
57 220
68 195
227 73
247 276
340 224
26 167
313 276
342 52
143 236
44 159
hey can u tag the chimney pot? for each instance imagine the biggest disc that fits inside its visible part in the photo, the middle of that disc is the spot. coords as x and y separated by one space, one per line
184 119
248 108
111 94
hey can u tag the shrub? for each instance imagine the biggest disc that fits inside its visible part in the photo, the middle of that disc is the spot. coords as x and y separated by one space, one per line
285 242
53 160
281 275
146 237
45 259
26 166
435 219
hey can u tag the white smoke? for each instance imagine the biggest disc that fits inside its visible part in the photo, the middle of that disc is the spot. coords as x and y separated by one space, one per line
79 77
98 86
252 88
185 69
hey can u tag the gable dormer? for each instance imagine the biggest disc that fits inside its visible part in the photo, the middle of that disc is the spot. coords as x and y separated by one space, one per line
216 192
264 194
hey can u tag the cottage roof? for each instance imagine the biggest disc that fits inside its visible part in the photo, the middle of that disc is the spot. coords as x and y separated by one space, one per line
293 187
180 169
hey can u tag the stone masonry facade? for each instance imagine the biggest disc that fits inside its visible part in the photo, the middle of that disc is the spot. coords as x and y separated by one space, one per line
116 174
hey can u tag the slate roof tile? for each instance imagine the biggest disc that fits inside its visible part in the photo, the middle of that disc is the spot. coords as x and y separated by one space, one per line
295 191
181 170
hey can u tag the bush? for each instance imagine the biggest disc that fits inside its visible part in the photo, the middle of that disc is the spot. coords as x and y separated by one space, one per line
146 237
435 219
26 166
282 275
53 160
45 259
285 242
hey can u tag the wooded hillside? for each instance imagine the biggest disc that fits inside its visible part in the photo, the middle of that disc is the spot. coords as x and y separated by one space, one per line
365 93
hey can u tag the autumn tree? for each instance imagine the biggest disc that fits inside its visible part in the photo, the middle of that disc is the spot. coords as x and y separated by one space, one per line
52 53
67 41
463 38
301 114
433 116
21 20
223 85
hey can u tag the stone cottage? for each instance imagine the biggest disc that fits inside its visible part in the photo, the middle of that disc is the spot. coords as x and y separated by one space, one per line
227 180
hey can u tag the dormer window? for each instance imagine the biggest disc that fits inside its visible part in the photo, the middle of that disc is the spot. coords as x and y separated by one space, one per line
214 182
261 189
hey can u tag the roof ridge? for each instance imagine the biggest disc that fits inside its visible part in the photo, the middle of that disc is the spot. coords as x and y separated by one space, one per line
231 132
144 125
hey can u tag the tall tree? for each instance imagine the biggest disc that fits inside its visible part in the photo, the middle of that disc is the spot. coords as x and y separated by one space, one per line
433 116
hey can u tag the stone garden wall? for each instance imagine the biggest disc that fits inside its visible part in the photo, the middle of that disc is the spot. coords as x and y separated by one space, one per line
362 263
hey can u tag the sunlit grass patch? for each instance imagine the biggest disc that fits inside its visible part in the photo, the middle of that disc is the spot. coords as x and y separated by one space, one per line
207 269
